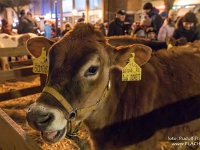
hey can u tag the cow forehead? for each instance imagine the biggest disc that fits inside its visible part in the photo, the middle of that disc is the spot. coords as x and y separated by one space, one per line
68 55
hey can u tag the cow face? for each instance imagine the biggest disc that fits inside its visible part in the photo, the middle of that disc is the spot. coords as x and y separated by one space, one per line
79 73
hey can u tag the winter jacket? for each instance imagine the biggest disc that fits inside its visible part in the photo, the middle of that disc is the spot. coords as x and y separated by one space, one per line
25 25
166 31
64 32
47 31
116 28
190 35
156 19
6 29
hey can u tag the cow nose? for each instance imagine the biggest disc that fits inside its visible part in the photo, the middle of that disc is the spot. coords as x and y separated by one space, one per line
38 120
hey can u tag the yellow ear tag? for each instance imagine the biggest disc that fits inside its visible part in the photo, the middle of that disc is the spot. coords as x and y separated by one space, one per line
132 71
169 46
40 64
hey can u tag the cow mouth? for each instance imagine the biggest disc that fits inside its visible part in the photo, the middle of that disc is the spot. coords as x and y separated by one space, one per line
53 136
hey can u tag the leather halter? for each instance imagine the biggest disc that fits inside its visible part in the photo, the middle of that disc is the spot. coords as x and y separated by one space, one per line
72 128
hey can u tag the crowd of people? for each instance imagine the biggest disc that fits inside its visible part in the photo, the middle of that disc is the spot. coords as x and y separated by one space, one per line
153 25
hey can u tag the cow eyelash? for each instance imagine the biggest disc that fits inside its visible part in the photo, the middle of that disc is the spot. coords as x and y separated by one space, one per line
91 71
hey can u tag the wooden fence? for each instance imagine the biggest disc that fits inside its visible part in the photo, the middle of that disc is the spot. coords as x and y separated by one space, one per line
24 69
12 137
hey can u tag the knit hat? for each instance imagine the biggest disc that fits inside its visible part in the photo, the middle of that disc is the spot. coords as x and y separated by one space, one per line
190 17
148 5
172 11
145 22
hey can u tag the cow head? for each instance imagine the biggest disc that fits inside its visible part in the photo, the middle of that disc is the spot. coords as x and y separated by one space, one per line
78 78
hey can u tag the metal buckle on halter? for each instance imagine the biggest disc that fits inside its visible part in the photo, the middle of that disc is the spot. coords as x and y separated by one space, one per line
72 114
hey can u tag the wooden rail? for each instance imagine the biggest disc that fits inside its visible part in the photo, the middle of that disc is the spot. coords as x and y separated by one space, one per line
12 137
21 69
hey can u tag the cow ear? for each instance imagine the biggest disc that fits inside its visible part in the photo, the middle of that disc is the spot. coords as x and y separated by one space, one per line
123 53
35 45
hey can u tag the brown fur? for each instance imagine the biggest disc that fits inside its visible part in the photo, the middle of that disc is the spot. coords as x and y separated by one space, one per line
134 114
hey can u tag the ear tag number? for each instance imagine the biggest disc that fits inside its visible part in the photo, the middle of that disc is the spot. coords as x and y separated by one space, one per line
40 64
132 71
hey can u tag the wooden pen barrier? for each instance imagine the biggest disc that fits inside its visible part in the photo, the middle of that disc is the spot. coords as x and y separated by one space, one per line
21 68
12 136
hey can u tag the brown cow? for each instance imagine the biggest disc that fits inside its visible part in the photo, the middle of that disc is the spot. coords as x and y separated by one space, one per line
85 84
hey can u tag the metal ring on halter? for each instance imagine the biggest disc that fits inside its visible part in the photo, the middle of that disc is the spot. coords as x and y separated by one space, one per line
72 114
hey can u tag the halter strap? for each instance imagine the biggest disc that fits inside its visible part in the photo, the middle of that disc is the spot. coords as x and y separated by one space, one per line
73 112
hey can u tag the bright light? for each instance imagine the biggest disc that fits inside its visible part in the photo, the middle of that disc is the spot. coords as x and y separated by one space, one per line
176 7
160 7
37 18
182 2
100 14
187 6
15 20
53 15
64 19
74 12
47 16
14 24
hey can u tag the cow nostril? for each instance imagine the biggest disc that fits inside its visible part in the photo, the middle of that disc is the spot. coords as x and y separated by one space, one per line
45 120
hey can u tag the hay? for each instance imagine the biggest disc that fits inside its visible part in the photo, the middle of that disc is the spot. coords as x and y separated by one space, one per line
16 109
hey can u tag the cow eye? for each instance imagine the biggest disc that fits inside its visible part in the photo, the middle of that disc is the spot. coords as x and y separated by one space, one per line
91 71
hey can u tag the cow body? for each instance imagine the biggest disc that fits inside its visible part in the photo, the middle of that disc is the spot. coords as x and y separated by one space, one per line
130 114
13 41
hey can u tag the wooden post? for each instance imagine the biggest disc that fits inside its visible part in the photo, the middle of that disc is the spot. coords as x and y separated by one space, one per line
13 137
73 8
61 15
87 11
56 13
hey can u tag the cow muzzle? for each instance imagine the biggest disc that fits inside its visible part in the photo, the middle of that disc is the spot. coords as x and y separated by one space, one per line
43 119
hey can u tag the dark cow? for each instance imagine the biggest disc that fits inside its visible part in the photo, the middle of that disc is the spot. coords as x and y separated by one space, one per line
128 40
84 83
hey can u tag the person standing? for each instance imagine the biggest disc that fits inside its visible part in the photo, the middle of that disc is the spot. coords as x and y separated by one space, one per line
47 29
25 24
104 28
6 27
153 14
34 21
117 27
68 27
139 29
168 26
187 28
